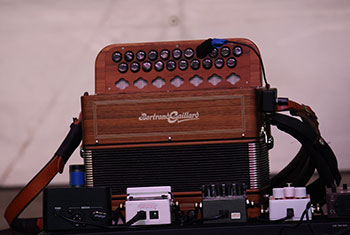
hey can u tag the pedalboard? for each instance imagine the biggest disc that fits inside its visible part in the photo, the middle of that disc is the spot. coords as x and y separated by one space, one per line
76 208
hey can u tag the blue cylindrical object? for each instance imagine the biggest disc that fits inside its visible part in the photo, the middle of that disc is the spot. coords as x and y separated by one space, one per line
77 175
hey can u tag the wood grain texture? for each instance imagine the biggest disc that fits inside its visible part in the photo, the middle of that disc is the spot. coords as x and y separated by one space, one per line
106 74
149 117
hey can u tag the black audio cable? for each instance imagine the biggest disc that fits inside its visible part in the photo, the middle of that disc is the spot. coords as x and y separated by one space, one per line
289 215
140 215
305 213
208 46
81 222
222 214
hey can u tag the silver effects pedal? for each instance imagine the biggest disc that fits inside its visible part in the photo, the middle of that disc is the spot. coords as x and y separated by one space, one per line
155 201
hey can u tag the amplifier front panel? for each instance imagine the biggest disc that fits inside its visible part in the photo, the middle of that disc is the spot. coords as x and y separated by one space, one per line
184 167
159 117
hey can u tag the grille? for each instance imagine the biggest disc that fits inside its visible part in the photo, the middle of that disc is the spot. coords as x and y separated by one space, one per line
184 167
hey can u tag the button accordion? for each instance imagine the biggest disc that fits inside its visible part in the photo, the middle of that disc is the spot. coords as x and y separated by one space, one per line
163 116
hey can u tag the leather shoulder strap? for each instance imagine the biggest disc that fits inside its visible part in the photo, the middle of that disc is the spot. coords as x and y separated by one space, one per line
40 181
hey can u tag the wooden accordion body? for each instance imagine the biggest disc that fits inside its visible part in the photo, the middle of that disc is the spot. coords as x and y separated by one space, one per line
162 116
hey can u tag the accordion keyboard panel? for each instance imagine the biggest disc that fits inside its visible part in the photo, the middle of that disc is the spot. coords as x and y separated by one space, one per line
172 66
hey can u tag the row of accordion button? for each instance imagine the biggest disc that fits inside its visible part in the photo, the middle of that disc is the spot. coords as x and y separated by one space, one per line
171 65
147 61
176 54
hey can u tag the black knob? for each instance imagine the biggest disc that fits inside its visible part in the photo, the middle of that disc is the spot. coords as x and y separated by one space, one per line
218 190
213 190
240 189
345 187
233 190
223 190
205 191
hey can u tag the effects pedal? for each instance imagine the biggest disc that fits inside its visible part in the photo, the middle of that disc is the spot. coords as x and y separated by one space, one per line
155 202
224 203
338 202
288 203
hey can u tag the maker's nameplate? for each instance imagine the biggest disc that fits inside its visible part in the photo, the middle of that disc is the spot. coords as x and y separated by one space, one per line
169 117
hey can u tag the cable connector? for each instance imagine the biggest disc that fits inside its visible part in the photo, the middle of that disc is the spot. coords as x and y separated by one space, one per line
218 42
140 215
290 213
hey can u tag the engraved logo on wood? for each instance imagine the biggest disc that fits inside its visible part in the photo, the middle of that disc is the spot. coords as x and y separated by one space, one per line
173 117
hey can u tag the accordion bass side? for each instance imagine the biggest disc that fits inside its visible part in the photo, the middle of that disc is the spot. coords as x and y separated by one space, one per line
163 116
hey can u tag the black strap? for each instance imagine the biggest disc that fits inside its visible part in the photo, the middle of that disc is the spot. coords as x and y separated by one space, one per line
321 154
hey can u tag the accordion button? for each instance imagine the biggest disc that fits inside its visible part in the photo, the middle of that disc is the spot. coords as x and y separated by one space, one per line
123 67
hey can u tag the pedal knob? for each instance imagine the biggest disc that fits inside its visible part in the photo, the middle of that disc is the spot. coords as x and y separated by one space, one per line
300 192
278 193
